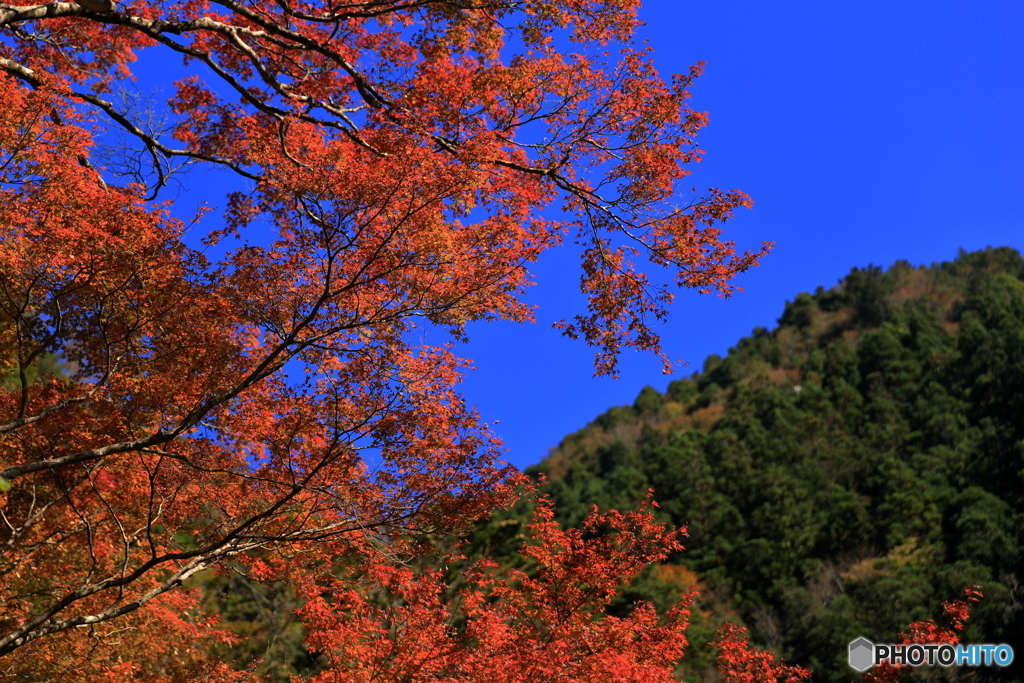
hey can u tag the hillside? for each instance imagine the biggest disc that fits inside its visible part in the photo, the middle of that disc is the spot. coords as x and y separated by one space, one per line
842 474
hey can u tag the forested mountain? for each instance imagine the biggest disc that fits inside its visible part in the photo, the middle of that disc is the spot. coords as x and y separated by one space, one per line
840 475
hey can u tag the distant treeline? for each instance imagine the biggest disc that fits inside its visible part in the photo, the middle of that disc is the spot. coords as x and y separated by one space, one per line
840 475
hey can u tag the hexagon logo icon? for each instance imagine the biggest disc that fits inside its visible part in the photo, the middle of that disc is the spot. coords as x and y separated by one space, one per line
862 653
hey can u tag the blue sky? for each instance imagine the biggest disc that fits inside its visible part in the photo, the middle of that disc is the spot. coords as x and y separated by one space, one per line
866 132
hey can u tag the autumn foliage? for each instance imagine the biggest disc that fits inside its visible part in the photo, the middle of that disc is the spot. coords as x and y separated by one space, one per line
506 625
272 410
956 612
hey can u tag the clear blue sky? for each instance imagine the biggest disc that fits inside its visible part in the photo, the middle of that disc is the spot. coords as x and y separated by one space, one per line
866 132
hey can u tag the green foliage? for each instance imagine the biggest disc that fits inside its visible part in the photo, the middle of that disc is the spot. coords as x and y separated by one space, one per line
262 614
649 401
842 474
45 365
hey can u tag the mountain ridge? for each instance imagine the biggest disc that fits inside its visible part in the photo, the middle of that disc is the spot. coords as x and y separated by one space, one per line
841 474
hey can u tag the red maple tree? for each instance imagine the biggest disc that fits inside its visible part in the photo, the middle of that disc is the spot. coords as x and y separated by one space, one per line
395 624
739 662
957 613
271 410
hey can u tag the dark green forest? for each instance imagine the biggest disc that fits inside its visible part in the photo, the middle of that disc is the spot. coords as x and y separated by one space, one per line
840 475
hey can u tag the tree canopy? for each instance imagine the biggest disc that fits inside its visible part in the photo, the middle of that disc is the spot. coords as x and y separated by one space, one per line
265 407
